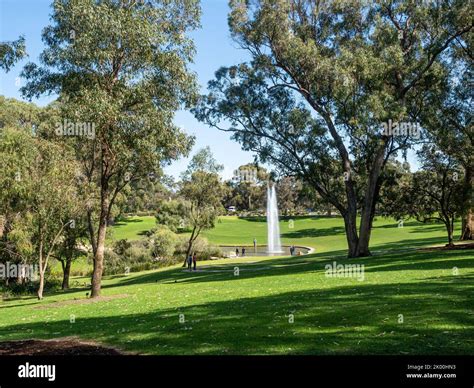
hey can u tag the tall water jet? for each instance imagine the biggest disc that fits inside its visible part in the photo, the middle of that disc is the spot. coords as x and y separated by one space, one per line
273 226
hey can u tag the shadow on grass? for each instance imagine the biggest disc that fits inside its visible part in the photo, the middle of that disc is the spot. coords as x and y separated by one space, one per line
285 218
341 319
124 222
403 261
313 232
409 244
49 294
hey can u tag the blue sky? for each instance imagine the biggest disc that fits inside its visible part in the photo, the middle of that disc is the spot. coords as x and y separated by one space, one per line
214 49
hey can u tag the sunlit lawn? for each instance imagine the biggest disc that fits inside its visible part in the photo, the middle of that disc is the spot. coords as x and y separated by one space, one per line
410 302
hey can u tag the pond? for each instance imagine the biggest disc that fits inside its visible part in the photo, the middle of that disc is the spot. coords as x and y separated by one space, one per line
261 250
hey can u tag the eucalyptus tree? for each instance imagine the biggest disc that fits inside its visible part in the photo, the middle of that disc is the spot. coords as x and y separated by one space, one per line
203 191
248 187
52 201
431 194
17 155
289 195
37 197
144 195
120 69
11 52
70 245
446 113
325 82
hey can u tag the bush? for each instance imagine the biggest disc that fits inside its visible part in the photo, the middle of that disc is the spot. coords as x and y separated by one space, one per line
15 289
51 283
163 243
127 256
201 246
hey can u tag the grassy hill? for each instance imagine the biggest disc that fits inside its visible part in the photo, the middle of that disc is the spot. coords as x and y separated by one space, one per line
409 302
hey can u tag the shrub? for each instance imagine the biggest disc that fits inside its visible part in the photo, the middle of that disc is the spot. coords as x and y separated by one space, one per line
201 246
127 256
163 242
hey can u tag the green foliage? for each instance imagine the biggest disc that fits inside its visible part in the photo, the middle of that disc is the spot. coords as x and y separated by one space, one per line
11 52
172 214
322 81
203 160
201 247
143 195
433 193
163 243
122 69
290 196
128 257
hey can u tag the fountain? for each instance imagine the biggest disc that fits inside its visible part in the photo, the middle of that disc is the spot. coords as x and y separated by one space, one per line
274 247
273 226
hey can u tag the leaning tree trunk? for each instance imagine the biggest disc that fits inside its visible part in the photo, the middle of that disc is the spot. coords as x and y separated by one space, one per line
190 246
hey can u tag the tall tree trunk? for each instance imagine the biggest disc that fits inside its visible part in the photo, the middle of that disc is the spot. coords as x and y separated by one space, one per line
350 224
92 236
99 257
66 273
449 230
467 232
101 233
41 285
41 272
468 226
370 200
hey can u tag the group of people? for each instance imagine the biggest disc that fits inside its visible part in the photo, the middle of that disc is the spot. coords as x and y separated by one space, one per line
237 252
192 261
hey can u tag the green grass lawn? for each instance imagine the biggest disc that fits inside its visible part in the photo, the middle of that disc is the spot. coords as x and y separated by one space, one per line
410 302
326 234
133 228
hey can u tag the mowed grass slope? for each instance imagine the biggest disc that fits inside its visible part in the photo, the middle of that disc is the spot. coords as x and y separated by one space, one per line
133 228
410 302
326 234
323 233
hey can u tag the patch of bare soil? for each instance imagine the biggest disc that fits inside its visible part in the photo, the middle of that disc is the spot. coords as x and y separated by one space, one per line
76 301
67 346
450 248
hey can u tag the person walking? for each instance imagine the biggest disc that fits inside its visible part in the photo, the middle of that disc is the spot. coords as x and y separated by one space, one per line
194 260
243 251
190 262
255 244
237 252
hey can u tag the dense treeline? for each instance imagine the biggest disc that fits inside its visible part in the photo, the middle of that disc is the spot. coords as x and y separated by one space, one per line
331 101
